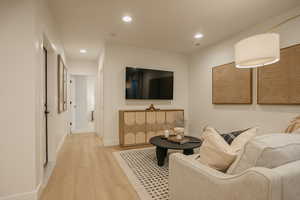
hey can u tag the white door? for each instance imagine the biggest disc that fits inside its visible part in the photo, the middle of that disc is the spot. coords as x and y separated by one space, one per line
91 102
72 102
83 100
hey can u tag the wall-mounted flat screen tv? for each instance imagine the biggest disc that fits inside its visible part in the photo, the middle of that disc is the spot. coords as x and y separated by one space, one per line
149 84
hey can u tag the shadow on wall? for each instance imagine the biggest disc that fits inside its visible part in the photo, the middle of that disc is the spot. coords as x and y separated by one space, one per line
148 102
281 108
234 107
257 107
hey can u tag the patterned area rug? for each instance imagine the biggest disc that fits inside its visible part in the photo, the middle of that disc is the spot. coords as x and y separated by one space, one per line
149 180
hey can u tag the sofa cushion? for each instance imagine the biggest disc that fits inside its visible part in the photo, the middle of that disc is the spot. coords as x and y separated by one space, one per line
267 151
229 137
215 151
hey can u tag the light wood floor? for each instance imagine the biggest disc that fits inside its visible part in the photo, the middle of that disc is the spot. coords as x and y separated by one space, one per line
86 170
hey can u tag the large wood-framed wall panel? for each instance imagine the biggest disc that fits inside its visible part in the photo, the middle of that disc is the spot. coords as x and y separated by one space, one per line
231 85
279 83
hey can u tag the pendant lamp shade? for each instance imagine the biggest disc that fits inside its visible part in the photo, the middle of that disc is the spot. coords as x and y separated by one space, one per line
257 51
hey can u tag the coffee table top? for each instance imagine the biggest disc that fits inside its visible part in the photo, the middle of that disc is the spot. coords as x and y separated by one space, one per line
164 143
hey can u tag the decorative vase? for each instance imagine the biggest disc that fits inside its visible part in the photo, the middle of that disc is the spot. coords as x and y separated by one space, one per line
166 133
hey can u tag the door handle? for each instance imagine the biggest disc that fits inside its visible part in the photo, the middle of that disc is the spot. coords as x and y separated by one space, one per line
92 116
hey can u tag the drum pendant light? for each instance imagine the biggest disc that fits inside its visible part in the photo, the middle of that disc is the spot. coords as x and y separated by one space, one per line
259 50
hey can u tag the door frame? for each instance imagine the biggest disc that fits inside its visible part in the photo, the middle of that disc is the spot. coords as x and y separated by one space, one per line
46 112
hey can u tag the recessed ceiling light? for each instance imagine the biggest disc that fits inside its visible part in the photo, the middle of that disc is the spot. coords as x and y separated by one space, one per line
83 51
198 35
127 19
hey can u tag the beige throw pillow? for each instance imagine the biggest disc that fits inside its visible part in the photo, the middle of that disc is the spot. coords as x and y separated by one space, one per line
215 151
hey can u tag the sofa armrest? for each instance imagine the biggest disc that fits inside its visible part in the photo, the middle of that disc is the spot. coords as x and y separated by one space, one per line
290 174
189 179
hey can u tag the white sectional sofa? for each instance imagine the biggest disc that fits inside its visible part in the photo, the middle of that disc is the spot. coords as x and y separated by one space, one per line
267 169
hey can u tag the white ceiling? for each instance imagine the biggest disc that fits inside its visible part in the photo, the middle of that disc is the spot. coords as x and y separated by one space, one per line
158 24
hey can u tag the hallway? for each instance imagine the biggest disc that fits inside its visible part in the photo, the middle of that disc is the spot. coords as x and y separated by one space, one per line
86 170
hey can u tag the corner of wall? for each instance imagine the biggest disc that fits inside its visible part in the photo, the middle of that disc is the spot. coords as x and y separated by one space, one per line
33 195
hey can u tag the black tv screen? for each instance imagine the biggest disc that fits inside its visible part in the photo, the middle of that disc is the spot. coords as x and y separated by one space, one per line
148 84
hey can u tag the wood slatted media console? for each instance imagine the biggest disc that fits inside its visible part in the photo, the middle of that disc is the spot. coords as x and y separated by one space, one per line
136 127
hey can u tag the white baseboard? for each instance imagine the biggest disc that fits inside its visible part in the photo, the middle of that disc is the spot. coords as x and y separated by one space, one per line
60 144
51 166
83 132
47 173
107 143
39 191
33 195
49 170
87 130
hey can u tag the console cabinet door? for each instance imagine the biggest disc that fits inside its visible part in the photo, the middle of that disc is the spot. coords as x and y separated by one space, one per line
140 134
150 125
160 122
129 124
129 139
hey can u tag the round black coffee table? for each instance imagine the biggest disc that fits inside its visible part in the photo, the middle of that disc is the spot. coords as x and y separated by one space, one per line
162 146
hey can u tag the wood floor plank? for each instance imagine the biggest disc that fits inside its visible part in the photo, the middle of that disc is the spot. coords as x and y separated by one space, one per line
86 170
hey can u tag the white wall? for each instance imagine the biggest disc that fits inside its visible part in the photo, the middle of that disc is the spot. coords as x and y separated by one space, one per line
58 128
117 57
17 91
26 23
99 112
229 117
82 67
